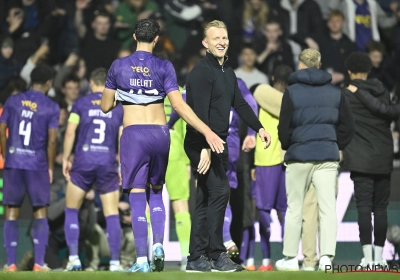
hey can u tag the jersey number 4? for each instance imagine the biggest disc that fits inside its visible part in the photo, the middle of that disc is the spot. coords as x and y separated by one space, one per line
25 131
100 130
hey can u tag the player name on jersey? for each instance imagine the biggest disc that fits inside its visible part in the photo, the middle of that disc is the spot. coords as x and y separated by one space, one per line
140 83
99 113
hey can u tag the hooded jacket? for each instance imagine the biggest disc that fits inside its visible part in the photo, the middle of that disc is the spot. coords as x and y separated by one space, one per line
371 150
315 119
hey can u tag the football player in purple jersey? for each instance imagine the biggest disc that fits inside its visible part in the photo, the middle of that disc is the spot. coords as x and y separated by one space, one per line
140 82
29 152
95 161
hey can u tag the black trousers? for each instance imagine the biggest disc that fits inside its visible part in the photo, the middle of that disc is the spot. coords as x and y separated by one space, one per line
212 197
372 193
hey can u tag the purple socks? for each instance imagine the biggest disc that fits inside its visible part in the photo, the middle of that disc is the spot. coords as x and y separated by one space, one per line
11 240
157 214
247 247
226 230
71 229
40 234
139 222
114 235
265 232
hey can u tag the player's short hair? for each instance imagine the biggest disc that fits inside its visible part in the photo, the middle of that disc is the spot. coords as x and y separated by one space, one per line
336 13
99 76
70 78
41 74
146 30
310 58
282 73
214 23
375 46
358 62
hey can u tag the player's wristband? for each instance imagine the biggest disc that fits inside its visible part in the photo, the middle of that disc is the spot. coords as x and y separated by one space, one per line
119 168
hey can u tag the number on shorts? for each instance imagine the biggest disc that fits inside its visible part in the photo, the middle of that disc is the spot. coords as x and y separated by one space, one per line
25 131
100 131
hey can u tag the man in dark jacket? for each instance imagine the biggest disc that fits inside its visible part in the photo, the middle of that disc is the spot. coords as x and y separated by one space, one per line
369 156
315 123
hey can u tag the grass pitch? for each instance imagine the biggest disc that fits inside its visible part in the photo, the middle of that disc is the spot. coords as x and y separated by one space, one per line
273 275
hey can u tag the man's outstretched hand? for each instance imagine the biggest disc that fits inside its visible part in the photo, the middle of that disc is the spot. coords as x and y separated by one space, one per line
265 137
216 143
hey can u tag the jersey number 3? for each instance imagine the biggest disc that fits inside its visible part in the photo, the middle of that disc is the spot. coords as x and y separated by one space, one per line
100 130
25 131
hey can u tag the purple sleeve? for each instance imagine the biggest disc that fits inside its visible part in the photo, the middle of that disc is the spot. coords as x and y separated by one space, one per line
55 116
250 100
174 115
6 112
170 82
75 108
111 81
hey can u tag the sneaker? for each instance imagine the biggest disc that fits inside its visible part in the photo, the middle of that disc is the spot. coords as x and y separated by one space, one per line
250 267
224 264
116 268
158 259
325 264
183 264
41 268
366 265
200 265
144 268
307 268
232 250
287 264
74 265
266 267
10 268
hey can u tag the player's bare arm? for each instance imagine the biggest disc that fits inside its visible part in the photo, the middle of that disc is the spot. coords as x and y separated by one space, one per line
69 139
51 150
3 139
180 106
108 100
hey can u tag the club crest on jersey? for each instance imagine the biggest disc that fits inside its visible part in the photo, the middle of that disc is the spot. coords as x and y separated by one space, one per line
31 105
140 69
85 148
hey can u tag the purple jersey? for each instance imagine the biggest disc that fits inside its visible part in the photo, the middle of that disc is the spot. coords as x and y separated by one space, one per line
28 116
97 136
141 78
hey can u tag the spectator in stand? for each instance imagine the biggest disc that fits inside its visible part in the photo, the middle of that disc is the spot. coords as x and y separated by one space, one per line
301 21
75 66
98 49
15 85
273 50
255 16
70 90
185 19
128 13
9 67
38 57
362 20
335 47
247 71
383 68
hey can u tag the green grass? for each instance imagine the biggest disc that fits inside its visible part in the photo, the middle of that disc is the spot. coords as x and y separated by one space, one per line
196 276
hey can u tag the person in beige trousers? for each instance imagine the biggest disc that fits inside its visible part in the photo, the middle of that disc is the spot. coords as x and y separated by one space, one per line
315 122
